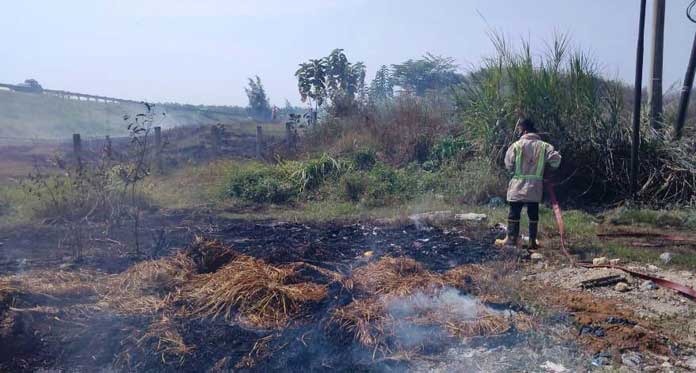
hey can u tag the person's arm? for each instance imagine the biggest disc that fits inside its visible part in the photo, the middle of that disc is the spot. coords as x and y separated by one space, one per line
553 158
510 158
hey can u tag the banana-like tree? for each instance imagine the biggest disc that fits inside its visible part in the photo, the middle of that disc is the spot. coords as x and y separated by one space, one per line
331 79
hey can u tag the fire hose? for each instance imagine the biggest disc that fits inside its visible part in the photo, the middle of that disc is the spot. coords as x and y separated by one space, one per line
682 289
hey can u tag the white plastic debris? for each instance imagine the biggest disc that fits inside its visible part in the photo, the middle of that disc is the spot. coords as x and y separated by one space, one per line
473 217
666 257
553 367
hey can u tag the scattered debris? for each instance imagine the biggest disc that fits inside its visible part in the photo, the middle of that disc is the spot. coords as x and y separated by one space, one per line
652 268
496 202
622 287
633 360
614 320
594 330
602 281
430 218
553 367
537 257
472 217
647 285
601 359
666 257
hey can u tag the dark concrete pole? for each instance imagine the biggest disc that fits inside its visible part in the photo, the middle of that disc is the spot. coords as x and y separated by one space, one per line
686 93
637 97
658 40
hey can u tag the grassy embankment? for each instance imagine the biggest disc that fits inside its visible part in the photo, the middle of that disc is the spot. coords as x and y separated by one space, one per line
26 115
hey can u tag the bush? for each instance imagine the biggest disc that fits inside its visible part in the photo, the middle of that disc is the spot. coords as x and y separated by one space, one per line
387 185
354 186
312 173
261 184
451 147
364 159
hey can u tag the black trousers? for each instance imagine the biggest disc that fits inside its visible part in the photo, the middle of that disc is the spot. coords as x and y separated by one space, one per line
516 211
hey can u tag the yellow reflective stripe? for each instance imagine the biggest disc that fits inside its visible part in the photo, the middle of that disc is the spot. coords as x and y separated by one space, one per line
518 159
541 160
539 175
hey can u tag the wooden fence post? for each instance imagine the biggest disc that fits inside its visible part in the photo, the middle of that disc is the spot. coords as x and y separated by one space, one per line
289 136
215 138
158 147
108 148
77 149
259 142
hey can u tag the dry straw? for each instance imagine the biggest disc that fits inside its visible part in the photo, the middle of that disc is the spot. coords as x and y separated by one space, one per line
261 293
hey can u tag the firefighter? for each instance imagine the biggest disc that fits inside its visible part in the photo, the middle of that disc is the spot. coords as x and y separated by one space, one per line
527 159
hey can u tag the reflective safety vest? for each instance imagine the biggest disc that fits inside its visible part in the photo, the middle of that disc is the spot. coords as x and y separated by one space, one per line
541 162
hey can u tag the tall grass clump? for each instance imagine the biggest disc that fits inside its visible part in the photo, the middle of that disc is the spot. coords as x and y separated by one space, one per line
585 116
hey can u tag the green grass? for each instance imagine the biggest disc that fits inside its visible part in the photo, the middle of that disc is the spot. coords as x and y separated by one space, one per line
16 205
676 218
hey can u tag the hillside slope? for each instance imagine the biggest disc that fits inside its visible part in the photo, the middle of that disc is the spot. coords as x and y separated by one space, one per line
26 115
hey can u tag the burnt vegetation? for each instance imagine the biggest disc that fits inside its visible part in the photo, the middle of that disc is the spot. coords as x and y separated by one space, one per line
145 287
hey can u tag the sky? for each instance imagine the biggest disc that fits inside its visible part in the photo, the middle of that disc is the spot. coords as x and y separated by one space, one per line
203 51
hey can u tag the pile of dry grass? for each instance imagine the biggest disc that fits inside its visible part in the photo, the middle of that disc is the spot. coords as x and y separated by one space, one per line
147 287
163 337
161 342
485 324
395 276
259 294
492 283
364 319
210 255
156 276
369 322
56 285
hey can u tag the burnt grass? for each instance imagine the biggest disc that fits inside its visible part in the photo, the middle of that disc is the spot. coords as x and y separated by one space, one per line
67 340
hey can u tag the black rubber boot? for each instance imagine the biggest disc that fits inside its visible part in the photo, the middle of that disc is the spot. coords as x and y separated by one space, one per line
513 232
533 229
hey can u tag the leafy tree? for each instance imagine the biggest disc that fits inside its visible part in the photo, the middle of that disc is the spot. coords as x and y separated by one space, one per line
382 86
428 73
331 79
259 106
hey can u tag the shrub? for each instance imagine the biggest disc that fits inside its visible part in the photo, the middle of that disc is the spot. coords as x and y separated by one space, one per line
261 184
354 186
364 158
387 185
312 173
450 147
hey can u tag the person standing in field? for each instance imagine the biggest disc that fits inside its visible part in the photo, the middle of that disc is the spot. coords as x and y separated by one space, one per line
527 159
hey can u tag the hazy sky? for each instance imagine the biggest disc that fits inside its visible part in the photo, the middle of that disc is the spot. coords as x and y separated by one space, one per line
202 51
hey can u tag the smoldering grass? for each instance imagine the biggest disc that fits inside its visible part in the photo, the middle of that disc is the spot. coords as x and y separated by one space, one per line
395 276
259 292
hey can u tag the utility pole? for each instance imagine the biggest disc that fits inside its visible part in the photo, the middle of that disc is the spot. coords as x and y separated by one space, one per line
658 39
686 93
637 97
